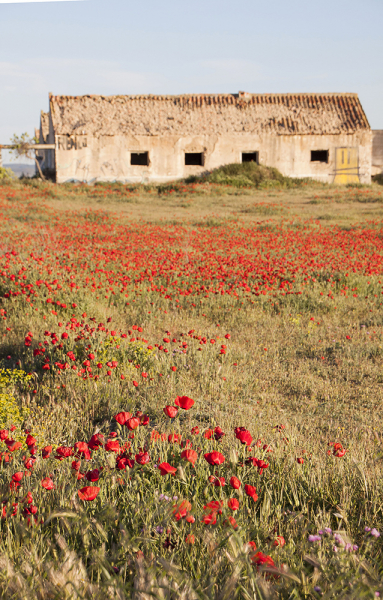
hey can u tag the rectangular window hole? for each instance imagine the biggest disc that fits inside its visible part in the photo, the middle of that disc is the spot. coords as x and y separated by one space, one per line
139 158
319 156
194 158
250 157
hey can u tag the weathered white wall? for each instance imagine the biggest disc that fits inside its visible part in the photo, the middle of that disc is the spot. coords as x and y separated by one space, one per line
377 152
107 158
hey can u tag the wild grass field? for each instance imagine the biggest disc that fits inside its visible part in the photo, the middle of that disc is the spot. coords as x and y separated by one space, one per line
191 390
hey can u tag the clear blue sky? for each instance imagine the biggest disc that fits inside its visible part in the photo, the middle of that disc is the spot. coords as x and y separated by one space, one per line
175 46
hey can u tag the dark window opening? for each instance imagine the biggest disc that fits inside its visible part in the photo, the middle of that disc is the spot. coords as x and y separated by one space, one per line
194 158
319 156
139 158
250 157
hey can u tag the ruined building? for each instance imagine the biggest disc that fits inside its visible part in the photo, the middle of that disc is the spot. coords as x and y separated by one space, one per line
162 138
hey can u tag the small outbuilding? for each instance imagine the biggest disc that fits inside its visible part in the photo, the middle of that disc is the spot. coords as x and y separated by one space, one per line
161 138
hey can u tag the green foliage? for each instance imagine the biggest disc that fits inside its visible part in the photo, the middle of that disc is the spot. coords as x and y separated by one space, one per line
6 175
250 174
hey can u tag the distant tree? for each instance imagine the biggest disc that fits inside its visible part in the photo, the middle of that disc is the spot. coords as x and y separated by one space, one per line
22 148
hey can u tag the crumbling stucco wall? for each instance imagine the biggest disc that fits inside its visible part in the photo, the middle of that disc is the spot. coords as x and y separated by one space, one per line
107 157
377 152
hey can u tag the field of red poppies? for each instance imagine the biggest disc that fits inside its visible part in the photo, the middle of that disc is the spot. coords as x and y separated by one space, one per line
190 393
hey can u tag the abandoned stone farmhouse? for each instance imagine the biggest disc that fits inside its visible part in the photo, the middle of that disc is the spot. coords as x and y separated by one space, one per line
162 138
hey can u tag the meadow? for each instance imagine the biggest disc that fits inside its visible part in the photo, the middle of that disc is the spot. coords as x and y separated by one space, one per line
191 391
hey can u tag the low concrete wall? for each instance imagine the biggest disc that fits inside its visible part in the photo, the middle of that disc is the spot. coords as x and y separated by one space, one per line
377 152
107 158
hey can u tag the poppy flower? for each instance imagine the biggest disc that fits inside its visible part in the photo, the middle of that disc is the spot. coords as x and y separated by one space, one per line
96 441
218 433
230 521
279 541
195 430
3 434
63 452
17 477
235 483
171 411
12 445
181 510
30 440
46 452
93 476
142 458
233 504
165 469
261 559
219 481
48 484
174 438
82 449
190 539
300 460
76 465
210 519
243 435
124 462
113 446
214 458
189 455
133 423
88 493
184 402
251 491
122 417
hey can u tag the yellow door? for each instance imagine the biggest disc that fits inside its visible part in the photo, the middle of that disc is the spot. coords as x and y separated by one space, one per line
346 165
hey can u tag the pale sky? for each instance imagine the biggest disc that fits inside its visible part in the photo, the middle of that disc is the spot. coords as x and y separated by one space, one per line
193 46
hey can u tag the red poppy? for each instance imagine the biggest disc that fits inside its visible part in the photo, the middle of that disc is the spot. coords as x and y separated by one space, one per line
88 493
190 539
142 458
93 476
218 481
124 462
170 411
96 441
189 455
113 446
17 477
12 445
218 433
133 423
3 434
63 452
166 469
122 417
261 559
279 541
300 460
210 519
82 449
233 504
214 458
230 521
46 452
235 483
30 440
243 435
48 484
251 491
184 402
195 430
76 465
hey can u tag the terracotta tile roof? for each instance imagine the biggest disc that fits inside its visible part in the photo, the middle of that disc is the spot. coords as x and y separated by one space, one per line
280 114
